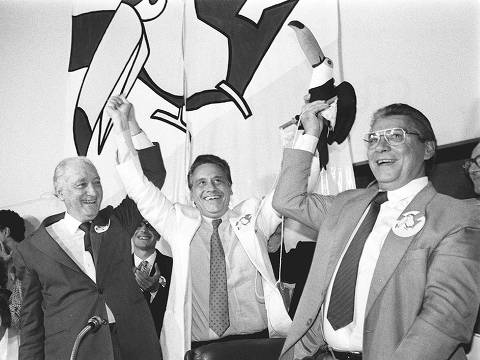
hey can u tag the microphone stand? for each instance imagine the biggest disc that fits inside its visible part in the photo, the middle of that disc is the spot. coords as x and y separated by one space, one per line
93 324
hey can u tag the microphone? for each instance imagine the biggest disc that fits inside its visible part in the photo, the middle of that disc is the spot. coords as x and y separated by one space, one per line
93 324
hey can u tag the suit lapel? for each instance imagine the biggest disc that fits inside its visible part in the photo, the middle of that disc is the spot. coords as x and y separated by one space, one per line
396 244
46 244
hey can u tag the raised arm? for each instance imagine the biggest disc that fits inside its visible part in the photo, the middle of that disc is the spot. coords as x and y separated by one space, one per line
151 202
291 198
150 157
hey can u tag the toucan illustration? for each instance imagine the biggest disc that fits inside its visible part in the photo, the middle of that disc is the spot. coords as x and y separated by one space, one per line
114 47
322 87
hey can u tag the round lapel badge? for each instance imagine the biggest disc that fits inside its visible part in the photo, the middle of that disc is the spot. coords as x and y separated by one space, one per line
409 224
100 229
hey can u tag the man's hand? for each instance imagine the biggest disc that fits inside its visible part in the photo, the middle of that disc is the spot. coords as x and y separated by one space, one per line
147 282
119 110
310 116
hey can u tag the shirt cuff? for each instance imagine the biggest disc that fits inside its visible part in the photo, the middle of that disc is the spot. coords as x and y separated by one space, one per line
141 141
306 142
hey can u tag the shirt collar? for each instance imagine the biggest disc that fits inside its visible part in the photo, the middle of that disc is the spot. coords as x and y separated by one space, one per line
150 259
71 224
409 190
225 217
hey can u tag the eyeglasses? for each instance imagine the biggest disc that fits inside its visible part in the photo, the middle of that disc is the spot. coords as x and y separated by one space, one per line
469 162
393 136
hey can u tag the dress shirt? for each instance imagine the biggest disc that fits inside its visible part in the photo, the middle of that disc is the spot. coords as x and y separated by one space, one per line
69 236
246 308
350 337
151 261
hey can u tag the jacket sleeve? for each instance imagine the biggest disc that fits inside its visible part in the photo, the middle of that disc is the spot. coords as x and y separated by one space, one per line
291 198
151 202
451 299
153 167
31 317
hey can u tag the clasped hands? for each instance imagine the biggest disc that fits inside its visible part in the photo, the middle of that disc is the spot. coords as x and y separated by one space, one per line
147 282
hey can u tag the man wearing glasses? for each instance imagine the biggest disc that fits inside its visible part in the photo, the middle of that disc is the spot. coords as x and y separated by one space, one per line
396 270
472 167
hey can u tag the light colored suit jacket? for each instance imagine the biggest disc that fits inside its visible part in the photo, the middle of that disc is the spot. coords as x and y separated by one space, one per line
424 294
178 224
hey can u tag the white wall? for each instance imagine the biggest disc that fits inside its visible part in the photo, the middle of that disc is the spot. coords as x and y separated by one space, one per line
425 53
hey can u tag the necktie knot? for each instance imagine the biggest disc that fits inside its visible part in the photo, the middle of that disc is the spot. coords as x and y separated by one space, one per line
85 226
380 198
216 223
143 266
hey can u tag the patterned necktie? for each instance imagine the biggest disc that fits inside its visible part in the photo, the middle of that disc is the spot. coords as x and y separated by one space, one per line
218 300
143 267
342 298
86 238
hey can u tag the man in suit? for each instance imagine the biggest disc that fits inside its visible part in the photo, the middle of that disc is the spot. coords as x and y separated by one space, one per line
153 271
396 273
223 286
78 265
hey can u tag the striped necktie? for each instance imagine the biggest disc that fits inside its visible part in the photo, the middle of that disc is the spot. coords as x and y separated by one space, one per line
342 298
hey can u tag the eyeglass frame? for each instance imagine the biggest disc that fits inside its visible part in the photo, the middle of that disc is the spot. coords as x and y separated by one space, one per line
467 164
381 133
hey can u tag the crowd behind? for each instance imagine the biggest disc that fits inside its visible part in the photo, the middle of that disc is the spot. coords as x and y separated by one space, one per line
394 274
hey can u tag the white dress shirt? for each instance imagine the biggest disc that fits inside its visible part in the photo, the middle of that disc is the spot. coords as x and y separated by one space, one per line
69 236
350 337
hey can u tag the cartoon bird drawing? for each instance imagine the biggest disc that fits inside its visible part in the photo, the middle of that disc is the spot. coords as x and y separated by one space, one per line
340 116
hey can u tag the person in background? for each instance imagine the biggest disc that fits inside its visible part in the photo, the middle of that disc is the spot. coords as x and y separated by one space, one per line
223 286
8 335
78 265
396 270
12 232
153 271
472 168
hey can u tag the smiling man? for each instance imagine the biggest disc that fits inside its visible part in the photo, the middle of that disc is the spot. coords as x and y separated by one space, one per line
153 271
223 286
78 265
396 272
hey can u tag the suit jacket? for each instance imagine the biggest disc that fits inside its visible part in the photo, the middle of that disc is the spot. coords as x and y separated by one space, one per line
159 303
177 224
424 294
59 298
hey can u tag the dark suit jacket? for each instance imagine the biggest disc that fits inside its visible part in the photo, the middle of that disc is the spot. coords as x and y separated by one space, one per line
59 297
425 289
159 303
